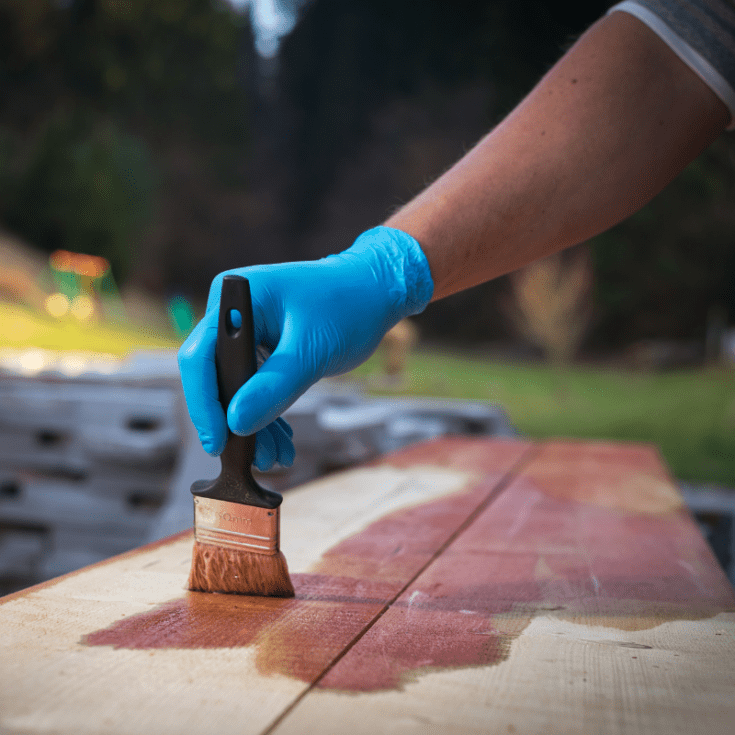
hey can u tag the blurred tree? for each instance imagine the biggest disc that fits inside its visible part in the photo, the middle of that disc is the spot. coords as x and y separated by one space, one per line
82 187
167 66
101 101
660 273
551 303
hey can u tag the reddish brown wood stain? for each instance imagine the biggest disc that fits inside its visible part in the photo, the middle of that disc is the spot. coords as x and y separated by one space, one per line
195 621
537 550
537 553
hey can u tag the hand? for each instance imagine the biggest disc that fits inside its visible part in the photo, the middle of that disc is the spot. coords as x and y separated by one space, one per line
319 318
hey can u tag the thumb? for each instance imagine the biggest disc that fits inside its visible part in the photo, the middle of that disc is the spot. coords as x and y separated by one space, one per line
277 384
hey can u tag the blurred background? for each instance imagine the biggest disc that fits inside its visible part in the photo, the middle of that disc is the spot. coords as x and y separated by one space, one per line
146 145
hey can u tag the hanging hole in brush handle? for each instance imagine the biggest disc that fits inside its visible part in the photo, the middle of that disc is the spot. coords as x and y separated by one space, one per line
233 322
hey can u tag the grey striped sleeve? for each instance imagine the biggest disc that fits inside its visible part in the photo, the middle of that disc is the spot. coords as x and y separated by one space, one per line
700 32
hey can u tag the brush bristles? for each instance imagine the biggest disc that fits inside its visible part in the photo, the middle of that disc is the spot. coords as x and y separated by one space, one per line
217 569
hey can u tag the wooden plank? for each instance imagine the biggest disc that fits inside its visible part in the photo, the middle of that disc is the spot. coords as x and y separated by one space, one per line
584 599
121 647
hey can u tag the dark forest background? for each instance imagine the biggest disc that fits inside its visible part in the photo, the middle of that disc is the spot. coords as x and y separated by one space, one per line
151 132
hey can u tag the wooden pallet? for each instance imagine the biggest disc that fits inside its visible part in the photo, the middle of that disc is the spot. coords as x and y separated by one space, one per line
85 465
459 586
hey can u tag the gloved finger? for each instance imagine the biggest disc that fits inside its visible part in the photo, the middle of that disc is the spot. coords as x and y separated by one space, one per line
273 445
199 380
265 450
282 434
285 426
280 381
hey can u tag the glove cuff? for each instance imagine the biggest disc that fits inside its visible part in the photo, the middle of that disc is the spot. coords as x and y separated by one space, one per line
403 256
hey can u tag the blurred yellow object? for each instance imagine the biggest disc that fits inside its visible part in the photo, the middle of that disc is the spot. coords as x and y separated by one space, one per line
82 307
17 329
56 304
397 346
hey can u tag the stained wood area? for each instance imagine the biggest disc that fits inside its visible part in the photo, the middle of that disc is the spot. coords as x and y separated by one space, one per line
463 585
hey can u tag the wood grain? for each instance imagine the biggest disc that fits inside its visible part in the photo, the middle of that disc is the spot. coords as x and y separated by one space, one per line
121 647
564 607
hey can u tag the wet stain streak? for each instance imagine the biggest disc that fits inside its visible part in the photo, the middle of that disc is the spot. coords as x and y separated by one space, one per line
230 621
298 637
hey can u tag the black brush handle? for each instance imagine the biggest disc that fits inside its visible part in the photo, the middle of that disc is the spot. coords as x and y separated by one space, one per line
235 350
236 364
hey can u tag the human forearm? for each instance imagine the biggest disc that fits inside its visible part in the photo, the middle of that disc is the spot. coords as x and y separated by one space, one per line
609 126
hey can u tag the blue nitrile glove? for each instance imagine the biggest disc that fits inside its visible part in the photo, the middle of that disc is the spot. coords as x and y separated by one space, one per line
320 318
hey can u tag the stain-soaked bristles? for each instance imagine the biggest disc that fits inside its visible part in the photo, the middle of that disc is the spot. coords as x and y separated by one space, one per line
219 569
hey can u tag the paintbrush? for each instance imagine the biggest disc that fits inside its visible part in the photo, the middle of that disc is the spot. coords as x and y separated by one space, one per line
236 521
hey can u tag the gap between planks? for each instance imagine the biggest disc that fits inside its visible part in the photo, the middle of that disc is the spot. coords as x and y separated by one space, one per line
526 458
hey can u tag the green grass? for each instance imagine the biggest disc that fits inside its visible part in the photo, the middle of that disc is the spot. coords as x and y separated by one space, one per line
689 414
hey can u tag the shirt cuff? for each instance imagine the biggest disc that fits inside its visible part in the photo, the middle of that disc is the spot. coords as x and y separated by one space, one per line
692 58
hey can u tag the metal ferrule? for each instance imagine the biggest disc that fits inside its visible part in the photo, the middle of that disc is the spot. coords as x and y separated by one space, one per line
236 526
